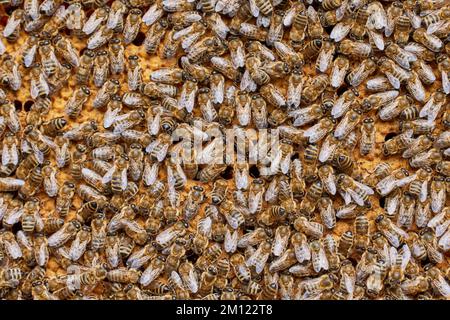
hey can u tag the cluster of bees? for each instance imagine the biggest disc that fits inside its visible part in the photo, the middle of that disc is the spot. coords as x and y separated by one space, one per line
104 209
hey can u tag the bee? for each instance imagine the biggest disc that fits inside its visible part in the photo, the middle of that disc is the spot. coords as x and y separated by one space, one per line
355 49
346 243
376 279
132 25
252 31
361 72
50 182
432 107
444 67
273 95
116 59
393 109
107 91
437 281
414 286
429 241
430 41
64 198
85 66
77 100
259 258
402 28
13 76
12 27
394 73
367 136
398 143
339 69
392 233
38 85
299 25
189 276
68 231
123 275
101 68
99 37
154 35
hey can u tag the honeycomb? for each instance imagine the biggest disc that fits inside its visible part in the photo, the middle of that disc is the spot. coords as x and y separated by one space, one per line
57 272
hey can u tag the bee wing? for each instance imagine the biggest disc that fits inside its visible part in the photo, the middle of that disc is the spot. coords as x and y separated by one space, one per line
123 179
279 244
330 182
191 281
6 155
254 201
51 185
271 194
327 149
356 197
189 40
230 243
108 175
391 237
302 252
261 262
441 285
289 16
219 27
340 31
11 26
377 39
13 216
91 24
41 255
154 123
187 99
392 203
337 76
285 164
153 14
315 133
13 249
340 12
437 199
423 191
247 83
324 58
445 82
29 55
444 241
262 21
110 117
254 9
217 91
294 93
241 179
276 160
149 275
340 107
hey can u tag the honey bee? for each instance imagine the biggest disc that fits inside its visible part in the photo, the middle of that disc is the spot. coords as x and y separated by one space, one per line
99 37
259 258
77 100
346 242
123 275
132 25
252 31
430 41
361 72
367 136
12 27
85 66
67 232
108 89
